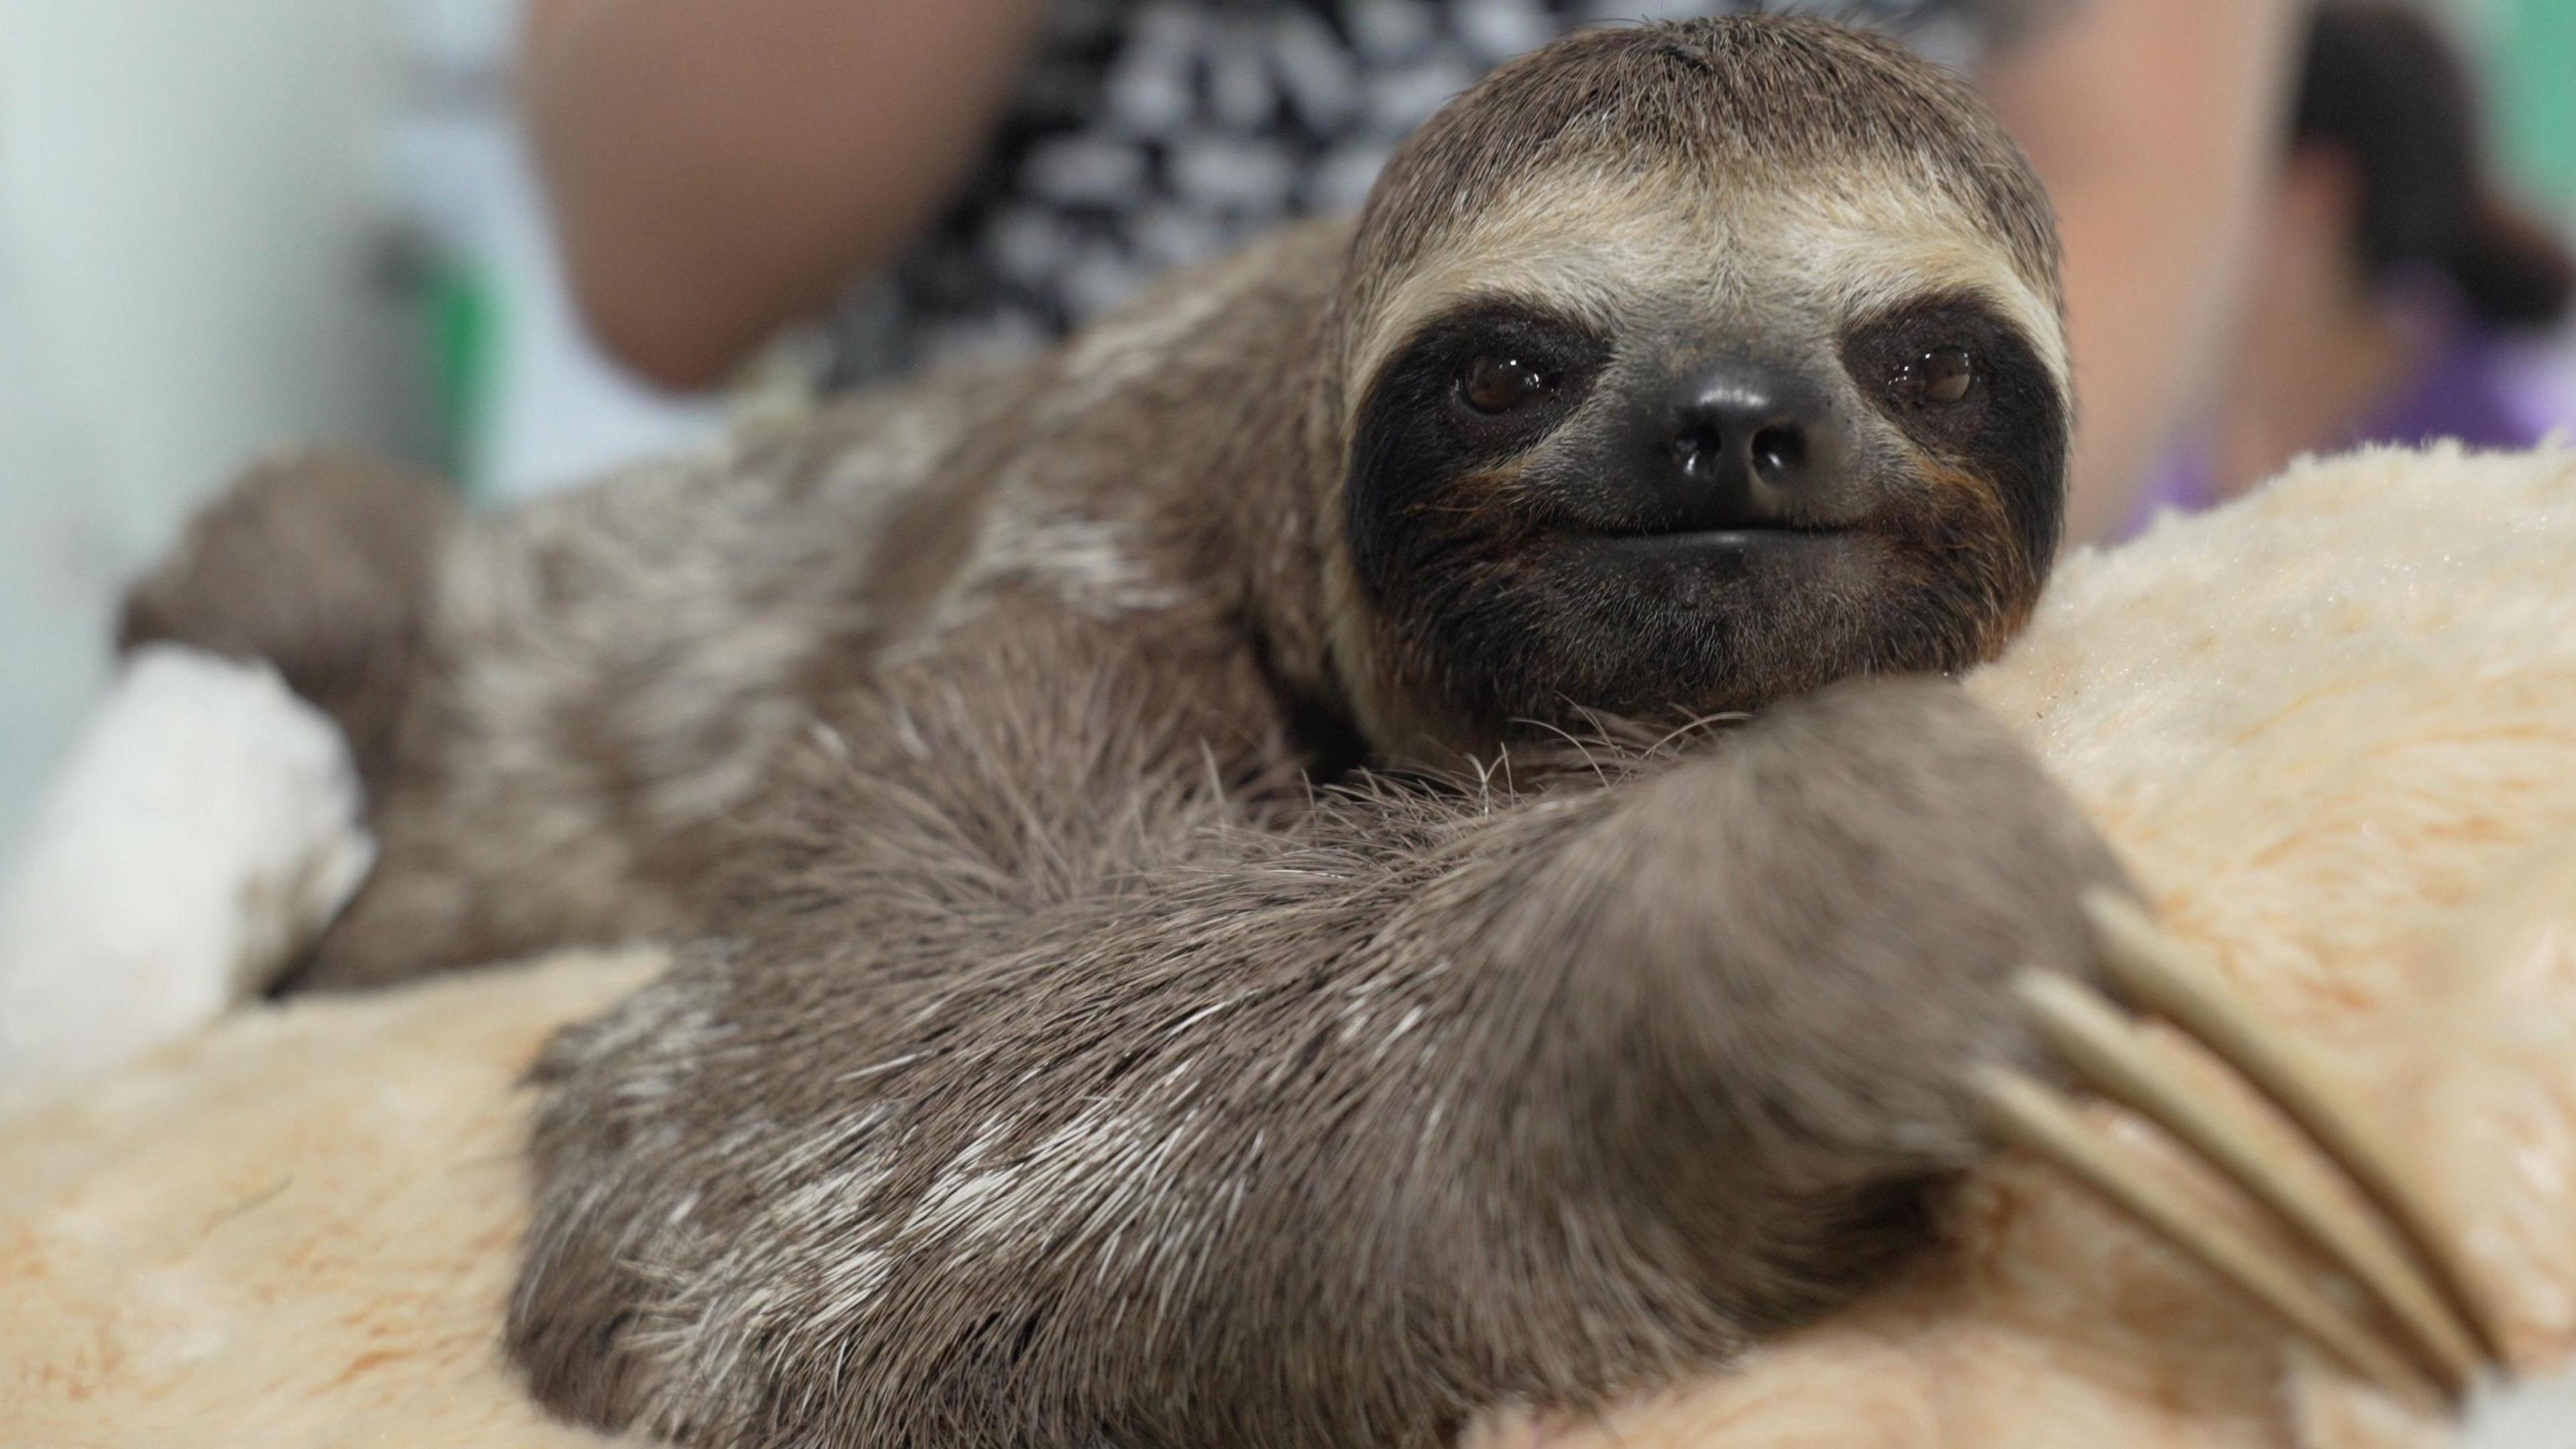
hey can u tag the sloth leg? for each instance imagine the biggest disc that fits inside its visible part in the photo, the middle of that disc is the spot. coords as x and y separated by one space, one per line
324 566
1054 1108
321 564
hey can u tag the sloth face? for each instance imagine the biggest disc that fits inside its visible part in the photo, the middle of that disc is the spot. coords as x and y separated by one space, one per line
1686 439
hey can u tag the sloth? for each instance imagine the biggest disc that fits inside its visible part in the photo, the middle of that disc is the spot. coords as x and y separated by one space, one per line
1380 834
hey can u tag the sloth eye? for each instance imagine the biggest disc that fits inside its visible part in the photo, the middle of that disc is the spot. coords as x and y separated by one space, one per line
1494 383
1937 377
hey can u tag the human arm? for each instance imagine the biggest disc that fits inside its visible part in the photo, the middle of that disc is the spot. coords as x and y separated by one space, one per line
2153 123
1321 1137
717 170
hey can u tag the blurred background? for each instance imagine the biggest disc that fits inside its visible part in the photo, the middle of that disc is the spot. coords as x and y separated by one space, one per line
228 226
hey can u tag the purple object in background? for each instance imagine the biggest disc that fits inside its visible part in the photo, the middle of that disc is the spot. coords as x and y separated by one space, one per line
2465 390
2477 386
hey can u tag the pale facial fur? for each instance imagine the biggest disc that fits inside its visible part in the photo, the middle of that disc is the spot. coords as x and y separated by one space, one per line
1815 255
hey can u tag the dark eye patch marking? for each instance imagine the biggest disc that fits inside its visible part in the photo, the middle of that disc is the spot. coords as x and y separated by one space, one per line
1469 391
1965 384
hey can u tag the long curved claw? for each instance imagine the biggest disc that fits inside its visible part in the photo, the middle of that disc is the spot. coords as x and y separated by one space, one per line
2387 1233
2046 1121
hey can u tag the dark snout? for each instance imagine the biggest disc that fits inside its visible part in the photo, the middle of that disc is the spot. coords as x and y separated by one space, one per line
1727 443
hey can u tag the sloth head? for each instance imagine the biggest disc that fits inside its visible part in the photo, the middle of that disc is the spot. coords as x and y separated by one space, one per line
1685 367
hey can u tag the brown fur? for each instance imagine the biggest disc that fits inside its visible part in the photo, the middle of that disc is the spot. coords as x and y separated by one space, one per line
1098 1037
319 564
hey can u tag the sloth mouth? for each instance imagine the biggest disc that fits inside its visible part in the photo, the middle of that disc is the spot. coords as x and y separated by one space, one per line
1742 538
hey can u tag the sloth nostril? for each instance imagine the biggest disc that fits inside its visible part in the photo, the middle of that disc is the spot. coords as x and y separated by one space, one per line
1774 453
1698 449
1779 452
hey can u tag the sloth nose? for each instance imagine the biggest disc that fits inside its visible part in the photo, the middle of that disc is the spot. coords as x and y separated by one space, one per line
1747 445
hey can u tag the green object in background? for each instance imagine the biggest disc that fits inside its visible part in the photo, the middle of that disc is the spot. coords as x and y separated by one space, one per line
2532 83
461 309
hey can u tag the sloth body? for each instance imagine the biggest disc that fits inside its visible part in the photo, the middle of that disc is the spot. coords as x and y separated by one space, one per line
1120 1016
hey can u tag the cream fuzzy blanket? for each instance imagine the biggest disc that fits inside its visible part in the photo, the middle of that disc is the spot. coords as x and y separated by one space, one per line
2333 729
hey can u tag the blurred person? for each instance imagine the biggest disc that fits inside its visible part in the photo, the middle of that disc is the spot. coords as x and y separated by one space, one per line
1004 170
2397 294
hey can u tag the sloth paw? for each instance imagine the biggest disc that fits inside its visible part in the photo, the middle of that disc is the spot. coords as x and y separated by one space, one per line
1854 884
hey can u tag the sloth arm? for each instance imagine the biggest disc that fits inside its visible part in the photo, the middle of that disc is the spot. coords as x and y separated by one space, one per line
1045 1094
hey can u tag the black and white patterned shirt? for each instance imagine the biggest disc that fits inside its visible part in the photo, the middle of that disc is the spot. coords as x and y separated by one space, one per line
1152 134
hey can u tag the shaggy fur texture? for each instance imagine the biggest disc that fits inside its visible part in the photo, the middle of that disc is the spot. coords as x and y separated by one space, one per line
1071 1059
2330 726
1112 1115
